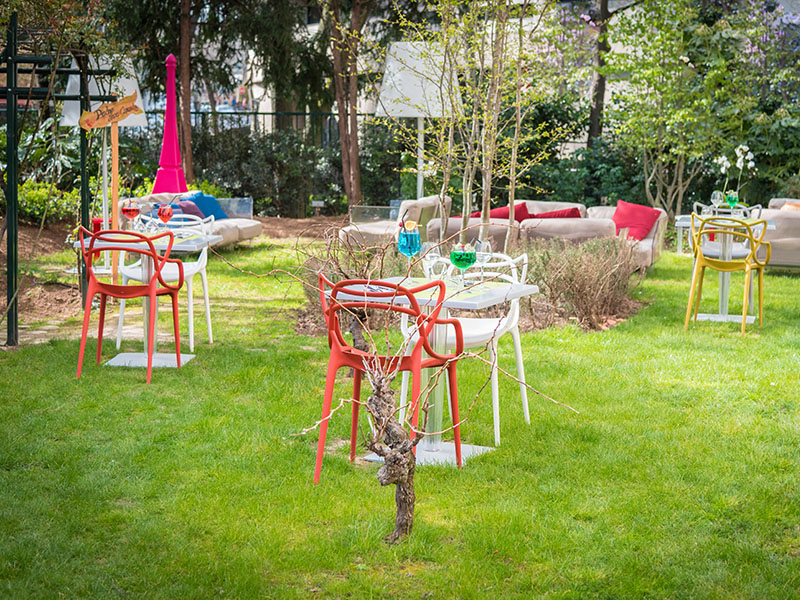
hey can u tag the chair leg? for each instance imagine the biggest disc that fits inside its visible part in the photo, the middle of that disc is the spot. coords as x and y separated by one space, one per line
451 377
523 389
330 381
102 318
151 331
690 304
495 392
190 313
403 396
354 419
699 291
404 388
176 327
85 331
747 277
121 315
760 298
416 376
204 281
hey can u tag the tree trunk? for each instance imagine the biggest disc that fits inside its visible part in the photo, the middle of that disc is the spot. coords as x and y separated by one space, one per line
397 450
598 78
185 79
344 43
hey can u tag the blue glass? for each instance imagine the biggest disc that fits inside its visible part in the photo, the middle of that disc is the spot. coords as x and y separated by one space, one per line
408 242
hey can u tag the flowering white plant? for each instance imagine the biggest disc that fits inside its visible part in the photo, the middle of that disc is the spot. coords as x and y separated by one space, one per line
745 161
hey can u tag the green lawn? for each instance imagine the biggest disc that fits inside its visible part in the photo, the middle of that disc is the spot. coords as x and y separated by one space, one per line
678 479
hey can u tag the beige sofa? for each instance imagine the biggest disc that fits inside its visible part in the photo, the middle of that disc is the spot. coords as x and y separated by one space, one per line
382 231
785 238
239 227
595 222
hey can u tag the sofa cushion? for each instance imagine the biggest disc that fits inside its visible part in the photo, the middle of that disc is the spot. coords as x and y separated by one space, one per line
247 228
501 212
639 219
541 206
228 231
564 213
498 229
208 205
574 230
790 206
190 208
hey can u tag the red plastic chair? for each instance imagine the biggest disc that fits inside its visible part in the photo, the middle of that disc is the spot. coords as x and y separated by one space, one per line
130 242
355 294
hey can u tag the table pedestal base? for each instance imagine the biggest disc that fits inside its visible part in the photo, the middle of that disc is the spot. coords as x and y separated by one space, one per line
445 455
724 318
139 359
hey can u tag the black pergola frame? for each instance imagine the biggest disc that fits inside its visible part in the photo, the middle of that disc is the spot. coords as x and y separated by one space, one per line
11 59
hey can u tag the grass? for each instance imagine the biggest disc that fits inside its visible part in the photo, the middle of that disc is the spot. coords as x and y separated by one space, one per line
678 479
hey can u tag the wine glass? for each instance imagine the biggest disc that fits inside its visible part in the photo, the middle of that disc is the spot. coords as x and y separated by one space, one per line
463 257
164 212
732 199
431 256
717 198
130 211
483 253
408 241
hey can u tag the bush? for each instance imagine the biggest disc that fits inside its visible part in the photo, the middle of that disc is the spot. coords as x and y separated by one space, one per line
590 174
380 164
590 282
278 170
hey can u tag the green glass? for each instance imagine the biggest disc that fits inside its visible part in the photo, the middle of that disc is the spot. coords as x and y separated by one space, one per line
462 260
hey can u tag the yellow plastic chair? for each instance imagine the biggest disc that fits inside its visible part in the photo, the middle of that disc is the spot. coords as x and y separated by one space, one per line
751 234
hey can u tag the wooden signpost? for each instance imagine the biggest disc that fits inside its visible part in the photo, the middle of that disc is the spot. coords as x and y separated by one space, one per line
112 113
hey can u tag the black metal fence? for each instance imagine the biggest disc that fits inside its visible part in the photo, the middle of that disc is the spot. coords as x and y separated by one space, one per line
320 128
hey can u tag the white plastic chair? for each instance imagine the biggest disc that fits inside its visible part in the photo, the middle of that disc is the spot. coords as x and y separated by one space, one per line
179 224
480 332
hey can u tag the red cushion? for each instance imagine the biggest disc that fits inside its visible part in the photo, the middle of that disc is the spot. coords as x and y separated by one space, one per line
637 218
501 212
564 213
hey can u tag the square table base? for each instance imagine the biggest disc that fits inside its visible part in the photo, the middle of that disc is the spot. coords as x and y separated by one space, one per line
446 455
139 359
724 318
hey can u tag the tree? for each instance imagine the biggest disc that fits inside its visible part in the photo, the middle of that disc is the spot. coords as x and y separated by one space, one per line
210 37
664 110
600 17
344 40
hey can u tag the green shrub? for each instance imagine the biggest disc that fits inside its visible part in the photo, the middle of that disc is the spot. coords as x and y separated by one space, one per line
38 200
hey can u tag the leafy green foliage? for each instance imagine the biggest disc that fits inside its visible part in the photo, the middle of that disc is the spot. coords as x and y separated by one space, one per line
38 200
278 170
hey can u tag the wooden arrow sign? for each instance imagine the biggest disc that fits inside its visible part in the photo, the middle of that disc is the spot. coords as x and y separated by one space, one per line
111 112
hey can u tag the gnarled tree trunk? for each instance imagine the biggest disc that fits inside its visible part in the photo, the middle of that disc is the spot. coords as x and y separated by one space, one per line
392 442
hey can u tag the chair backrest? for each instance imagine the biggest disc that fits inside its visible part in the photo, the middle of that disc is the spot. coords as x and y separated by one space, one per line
181 221
718 228
501 267
124 241
355 295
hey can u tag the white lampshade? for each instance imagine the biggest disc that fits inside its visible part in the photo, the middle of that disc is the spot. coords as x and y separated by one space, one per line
412 82
122 86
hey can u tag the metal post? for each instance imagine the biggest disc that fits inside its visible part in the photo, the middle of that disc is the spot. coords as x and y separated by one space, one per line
84 87
12 337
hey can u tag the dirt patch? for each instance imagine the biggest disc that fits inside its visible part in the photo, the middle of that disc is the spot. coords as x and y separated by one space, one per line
39 300
44 301
313 227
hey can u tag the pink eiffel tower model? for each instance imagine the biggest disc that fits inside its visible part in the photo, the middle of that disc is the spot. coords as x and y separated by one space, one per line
170 177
